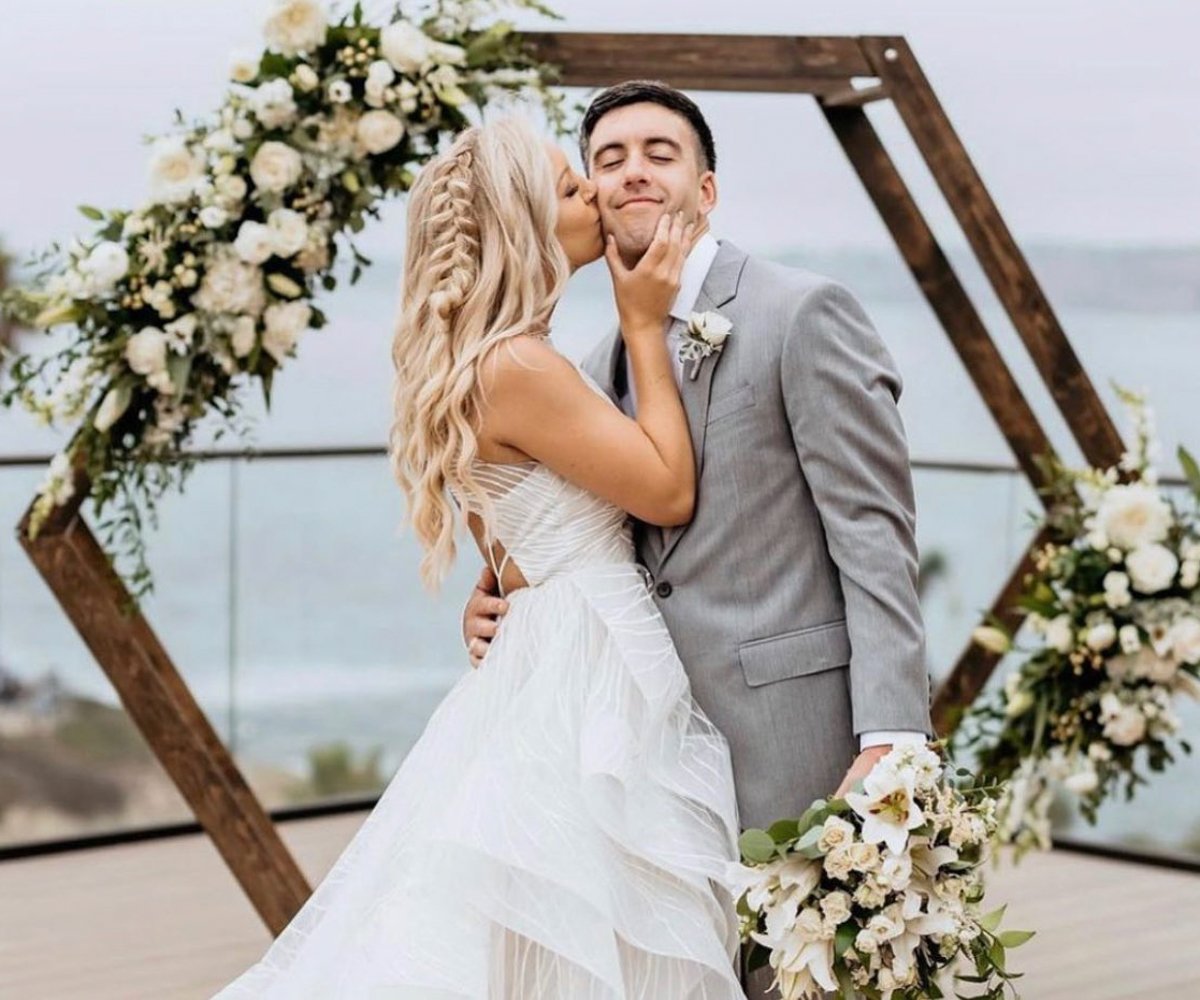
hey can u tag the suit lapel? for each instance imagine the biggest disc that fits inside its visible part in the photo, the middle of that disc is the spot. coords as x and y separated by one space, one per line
719 288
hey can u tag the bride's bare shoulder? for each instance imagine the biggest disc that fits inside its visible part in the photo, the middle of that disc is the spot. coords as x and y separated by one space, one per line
524 363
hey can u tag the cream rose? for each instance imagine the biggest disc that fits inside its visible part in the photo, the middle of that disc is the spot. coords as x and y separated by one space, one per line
255 242
405 46
242 336
146 351
288 230
835 832
274 104
284 322
175 170
295 26
1184 636
1133 514
276 166
1101 635
243 66
1152 567
379 131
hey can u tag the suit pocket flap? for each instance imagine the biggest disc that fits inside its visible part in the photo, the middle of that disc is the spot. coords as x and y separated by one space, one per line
794 654
731 403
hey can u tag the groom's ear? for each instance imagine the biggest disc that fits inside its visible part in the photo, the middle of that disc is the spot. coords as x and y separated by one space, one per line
708 193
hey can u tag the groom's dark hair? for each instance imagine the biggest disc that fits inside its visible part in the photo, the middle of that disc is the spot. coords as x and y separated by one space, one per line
648 92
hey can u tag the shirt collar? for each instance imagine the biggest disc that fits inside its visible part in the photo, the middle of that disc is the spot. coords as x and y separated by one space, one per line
691 280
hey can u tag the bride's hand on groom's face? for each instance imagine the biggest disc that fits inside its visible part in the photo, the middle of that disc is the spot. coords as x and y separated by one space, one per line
645 292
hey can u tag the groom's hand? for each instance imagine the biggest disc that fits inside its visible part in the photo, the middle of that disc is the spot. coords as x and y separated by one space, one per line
481 616
862 767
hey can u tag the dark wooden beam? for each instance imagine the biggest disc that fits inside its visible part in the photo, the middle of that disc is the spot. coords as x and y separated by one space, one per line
1005 266
938 281
80 575
768 63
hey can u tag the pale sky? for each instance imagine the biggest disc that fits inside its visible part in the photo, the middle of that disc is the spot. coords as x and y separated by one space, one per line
1080 114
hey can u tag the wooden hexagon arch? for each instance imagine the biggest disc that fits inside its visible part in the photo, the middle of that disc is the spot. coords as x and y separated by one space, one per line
833 70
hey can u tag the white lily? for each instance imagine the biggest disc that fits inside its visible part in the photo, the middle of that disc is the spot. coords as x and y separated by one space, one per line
888 807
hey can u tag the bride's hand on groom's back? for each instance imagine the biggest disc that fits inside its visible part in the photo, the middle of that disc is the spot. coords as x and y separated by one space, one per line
481 616
645 292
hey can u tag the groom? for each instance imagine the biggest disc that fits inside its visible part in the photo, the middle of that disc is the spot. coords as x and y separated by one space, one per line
792 594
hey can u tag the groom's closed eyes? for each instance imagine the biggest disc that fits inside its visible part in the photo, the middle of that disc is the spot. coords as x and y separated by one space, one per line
658 149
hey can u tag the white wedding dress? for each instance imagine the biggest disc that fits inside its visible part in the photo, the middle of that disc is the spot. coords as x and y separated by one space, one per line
562 828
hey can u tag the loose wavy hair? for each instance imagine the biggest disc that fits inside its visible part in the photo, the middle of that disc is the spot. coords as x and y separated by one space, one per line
482 265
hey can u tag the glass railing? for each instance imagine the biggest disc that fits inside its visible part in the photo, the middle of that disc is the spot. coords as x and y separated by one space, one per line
287 594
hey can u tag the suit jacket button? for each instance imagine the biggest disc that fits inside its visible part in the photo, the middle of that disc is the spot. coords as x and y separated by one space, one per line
663 589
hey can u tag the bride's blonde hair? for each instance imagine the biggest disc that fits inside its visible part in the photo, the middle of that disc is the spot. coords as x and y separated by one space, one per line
482 265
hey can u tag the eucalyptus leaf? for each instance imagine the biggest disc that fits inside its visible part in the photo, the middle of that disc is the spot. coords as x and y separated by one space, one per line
757 846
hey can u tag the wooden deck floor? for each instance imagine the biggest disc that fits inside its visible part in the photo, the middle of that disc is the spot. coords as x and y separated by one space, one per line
161 920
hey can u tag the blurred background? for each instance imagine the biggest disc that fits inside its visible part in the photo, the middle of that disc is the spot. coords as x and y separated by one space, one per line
287 589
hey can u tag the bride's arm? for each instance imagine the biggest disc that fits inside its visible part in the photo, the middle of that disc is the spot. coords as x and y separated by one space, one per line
538 403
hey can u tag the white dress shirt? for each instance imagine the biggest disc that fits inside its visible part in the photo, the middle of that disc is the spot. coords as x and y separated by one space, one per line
691 279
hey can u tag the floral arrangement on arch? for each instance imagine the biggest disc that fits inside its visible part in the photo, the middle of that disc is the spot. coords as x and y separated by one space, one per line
1114 612
878 894
209 284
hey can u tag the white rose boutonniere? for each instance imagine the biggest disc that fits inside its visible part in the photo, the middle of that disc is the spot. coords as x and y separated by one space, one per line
706 334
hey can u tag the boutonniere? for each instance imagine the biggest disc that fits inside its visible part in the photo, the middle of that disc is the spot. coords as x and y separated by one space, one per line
706 334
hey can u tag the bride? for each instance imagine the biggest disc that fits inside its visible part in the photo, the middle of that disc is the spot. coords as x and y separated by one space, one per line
562 828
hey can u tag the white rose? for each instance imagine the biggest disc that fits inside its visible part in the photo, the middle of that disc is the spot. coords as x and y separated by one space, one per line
284 323
146 351
405 46
243 336
243 65
107 264
242 128
380 73
1152 567
711 327
838 863
305 78
213 216
379 131
836 832
865 943
295 26
1101 635
276 166
273 104
869 895
1184 636
1060 634
1131 638
231 286
231 188
289 231
1116 589
1189 573
1133 514
220 141
339 92
1127 727
175 170
836 907
1099 751
1097 539
255 242
114 404
1083 781
864 857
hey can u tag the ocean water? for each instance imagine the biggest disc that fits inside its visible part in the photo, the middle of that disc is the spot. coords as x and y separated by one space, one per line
288 593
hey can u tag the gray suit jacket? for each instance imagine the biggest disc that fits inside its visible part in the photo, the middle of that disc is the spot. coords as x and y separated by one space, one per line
792 595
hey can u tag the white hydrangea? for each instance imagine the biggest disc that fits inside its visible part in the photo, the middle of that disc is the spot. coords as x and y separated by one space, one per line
231 285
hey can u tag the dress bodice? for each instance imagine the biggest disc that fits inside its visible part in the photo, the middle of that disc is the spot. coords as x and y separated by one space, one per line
546 524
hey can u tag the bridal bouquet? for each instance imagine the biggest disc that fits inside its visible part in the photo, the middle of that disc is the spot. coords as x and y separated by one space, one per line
169 308
1114 612
879 893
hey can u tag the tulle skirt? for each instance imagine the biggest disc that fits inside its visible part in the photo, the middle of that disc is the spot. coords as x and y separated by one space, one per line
561 830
